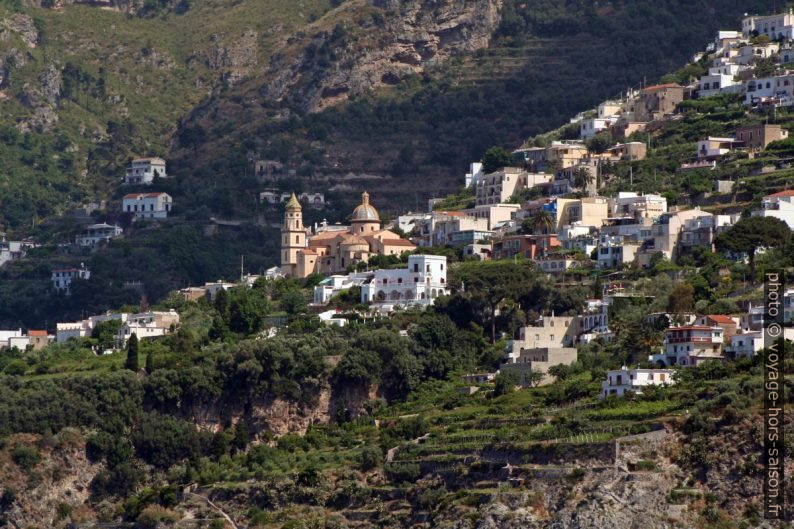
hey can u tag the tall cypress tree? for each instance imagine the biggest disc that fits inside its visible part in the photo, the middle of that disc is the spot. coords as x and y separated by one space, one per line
149 363
132 353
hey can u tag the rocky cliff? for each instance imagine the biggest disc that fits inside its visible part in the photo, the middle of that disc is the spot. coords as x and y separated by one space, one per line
369 44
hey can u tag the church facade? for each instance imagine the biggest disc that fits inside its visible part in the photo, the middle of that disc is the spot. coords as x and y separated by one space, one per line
329 251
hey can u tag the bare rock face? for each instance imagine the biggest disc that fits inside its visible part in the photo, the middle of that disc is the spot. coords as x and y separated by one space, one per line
42 100
237 59
330 66
23 26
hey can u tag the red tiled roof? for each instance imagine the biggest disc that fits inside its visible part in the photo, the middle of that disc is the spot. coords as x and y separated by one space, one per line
661 87
452 213
784 193
720 318
397 242
37 333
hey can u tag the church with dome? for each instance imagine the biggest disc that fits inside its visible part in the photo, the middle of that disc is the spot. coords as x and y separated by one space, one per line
332 249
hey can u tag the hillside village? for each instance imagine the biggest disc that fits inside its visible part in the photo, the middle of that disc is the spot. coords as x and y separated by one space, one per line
541 203
554 255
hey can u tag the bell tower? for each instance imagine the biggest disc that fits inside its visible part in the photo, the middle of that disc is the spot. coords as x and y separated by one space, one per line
293 236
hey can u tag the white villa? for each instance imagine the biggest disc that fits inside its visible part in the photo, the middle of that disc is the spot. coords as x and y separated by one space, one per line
779 205
333 285
62 277
144 170
420 283
619 381
147 205
95 234
690 345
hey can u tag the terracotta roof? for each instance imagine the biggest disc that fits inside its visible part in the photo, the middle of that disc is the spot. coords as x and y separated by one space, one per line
452 213
721 318
661 87
784 193
308 251
397 242
37 333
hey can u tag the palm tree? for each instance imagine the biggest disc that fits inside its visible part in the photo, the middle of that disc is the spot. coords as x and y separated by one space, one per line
582 178
543 222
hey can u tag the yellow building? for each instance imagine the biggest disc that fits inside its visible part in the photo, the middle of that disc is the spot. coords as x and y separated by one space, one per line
329 251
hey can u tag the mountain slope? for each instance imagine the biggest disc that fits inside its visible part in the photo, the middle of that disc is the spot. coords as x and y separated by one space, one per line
544 62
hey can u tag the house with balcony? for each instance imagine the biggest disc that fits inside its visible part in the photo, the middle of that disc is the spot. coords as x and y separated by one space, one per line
776 27
96 234
701 231
632 205
721 79
557 263
623 380
420 283
528 246
779 205
772 91
615 252
145 325
713 148
143 171
689 345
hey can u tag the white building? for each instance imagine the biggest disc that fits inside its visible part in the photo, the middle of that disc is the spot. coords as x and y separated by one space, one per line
775 27
778 205
690 345
474 175
13 250
62 277
591 126
633 205
144 170
147 325
721 80
95 234
409 221
13 338
615 251
619 381
420 283
713 147
776 90
331 317
333 285
745 345
147 205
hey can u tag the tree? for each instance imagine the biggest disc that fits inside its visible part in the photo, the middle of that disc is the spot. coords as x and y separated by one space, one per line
504 382
543 222
751 233
534 377
149 363
487 284
496 158
132 353
582 177
600 142
681 298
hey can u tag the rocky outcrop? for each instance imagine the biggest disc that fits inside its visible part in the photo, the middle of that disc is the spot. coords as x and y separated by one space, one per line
57 484
348 58
234 60
42 100
23 26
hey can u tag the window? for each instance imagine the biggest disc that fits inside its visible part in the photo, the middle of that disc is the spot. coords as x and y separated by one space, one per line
416 267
